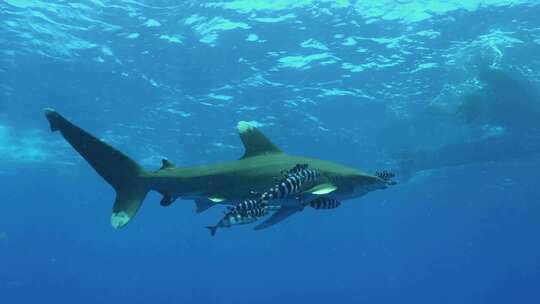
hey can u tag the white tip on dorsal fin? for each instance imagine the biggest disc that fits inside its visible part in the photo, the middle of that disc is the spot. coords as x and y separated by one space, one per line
255 142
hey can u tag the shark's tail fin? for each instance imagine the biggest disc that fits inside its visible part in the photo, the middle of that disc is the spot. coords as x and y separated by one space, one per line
212 229
118 169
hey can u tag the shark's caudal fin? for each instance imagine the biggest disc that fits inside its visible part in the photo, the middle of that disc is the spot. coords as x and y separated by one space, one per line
118 169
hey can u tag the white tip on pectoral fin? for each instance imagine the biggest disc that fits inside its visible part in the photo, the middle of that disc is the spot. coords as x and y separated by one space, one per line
216 199
323 189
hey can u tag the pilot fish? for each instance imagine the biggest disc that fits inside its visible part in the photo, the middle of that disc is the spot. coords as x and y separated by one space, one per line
386 176
245 206
248 211
232 218
292 183
324 203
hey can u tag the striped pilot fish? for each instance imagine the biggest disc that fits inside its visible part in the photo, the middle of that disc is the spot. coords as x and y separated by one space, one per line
232 218
255 208
248 211
386 176
291 183
324 203
245 206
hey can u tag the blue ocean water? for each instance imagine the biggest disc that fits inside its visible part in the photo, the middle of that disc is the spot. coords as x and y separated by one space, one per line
347 81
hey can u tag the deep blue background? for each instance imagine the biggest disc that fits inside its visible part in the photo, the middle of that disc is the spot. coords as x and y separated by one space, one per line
459 235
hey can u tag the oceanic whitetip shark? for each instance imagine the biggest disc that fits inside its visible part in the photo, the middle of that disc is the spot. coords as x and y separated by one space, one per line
221 183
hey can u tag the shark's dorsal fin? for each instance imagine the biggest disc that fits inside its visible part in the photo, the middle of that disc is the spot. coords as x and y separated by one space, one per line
165 164
255 142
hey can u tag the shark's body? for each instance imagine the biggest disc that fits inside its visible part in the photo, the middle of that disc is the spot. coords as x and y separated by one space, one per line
228 183
238 180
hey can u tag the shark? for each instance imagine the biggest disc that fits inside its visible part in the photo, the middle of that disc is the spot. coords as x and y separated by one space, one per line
225 183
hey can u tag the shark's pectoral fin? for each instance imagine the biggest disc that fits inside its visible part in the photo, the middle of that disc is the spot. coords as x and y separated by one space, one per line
322 189
203 204
278 216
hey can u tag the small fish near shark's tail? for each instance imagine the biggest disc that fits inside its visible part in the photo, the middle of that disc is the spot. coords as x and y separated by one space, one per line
119 170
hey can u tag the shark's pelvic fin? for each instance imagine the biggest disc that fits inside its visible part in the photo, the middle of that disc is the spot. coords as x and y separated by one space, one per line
322 189
203 204
255 142
118 169
278 216
167 200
